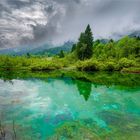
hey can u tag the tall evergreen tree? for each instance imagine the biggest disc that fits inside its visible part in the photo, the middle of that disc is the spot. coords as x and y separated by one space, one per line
28 55
81 47
73 48
84 45
89 42
61 54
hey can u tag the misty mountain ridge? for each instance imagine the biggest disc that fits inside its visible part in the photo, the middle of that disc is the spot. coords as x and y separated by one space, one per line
48 49
135 34
41 50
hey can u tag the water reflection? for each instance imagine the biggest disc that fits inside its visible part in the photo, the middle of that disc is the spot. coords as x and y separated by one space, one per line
98 78
84 88
67 107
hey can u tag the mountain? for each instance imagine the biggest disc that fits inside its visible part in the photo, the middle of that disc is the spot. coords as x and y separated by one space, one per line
66 47
135 34
23 50
42 50
104 41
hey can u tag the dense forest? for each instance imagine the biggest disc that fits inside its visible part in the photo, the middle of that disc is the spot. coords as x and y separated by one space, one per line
86 55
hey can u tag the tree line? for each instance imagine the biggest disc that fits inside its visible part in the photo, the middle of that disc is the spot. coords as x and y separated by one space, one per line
86 47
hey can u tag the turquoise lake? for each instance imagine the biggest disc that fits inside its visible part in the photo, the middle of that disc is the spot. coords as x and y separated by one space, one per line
64 108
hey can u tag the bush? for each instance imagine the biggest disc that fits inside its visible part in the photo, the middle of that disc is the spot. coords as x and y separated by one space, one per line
44 66
88 65
125 63
110 66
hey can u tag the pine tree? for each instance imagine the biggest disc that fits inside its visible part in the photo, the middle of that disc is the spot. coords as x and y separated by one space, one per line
80 47
73 48
28 55
84 45
88 42
61 54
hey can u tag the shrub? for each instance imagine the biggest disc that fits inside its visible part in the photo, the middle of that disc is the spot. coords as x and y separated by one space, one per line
125 63
110 66
88 65
45 65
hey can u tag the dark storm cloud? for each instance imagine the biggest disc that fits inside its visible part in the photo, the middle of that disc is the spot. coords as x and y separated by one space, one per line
35 22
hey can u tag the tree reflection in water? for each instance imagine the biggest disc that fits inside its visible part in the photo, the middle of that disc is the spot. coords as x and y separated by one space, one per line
84 88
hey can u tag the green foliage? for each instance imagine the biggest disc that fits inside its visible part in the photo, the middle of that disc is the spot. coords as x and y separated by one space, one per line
112 56
88 65
84 89
84 46
61 54
73 48
28 55
125 63
110 66
125 47
128 46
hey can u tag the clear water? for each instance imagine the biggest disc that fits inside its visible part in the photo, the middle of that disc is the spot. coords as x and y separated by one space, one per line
64 108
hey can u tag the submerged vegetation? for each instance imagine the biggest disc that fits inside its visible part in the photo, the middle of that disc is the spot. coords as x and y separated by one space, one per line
86 55
87 129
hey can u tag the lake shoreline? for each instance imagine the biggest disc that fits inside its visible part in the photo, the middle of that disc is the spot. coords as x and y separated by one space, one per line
124 70
98 77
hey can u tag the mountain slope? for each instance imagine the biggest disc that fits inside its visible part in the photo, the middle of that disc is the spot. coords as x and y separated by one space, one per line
42 50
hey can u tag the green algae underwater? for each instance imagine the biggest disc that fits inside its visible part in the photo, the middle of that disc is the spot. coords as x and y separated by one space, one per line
62 105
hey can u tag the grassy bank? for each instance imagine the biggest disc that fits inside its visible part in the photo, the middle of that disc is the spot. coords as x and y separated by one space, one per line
70 62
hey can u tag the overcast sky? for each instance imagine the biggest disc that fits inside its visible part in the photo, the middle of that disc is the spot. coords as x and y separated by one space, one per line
36 22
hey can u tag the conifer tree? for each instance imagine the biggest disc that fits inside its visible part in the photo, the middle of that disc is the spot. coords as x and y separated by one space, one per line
61 54
84 45
73 48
